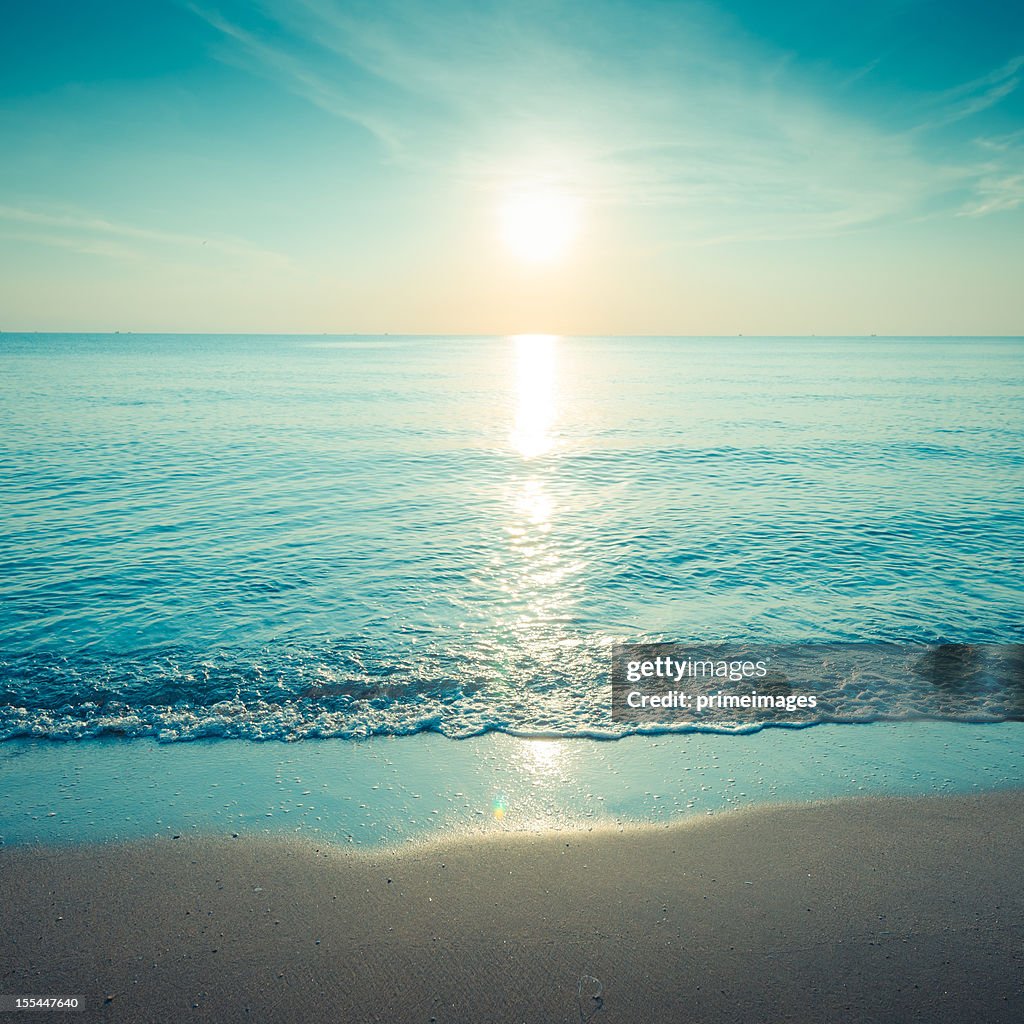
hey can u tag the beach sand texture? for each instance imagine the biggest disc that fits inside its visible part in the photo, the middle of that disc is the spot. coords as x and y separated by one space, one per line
881 909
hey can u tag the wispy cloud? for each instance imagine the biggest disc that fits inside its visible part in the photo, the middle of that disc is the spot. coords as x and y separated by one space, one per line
994 164
975 96
255 54
84 246
96 235
996 193
674 110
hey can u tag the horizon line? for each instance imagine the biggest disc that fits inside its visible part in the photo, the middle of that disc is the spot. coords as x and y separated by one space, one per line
499 334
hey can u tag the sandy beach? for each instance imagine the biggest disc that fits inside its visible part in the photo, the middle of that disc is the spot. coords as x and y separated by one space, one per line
855 910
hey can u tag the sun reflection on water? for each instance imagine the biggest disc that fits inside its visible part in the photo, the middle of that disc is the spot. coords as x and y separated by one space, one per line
543 757
534 505
535 393
538 571
525 801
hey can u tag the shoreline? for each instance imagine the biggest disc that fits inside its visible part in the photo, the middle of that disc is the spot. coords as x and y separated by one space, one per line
866 909
387 792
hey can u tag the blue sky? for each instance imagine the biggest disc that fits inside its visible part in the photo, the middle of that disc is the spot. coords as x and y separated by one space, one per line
330 166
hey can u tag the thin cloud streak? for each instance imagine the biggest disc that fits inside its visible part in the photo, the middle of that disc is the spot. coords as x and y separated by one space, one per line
110 250
257 56
976 96
91 226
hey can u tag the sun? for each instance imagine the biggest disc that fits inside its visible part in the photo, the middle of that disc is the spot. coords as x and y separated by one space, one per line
539 226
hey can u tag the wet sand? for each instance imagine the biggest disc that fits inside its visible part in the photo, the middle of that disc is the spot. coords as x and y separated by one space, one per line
883 909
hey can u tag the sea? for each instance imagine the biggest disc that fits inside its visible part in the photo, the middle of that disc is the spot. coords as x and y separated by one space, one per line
294 537
369 590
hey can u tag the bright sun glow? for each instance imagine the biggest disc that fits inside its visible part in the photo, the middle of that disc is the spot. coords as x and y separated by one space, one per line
539 227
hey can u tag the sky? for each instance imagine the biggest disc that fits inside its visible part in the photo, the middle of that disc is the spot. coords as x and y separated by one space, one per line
600 167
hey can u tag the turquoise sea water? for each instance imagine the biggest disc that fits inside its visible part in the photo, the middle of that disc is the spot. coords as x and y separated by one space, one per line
286 537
